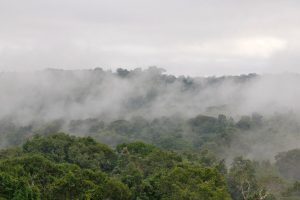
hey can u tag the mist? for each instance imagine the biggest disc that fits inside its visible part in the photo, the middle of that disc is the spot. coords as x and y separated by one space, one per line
80 94
56 94
41 97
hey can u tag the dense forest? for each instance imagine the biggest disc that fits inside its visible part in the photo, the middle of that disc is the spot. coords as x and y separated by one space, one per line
144 134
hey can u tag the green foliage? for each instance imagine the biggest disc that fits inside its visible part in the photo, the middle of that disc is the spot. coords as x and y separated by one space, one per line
171 141
168 133
187 182
136 148
204 124
33 176
84 152
11 188
60 166
242 182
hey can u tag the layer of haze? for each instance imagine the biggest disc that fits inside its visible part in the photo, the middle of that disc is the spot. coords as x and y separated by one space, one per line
41 97
81 94
192 37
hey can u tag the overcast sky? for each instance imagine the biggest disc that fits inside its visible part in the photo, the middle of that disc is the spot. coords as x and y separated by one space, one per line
191 37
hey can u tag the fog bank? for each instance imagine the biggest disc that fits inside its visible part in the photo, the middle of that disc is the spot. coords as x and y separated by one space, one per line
80 94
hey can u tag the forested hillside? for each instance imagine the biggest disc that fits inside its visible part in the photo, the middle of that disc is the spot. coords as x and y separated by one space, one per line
80 94
143 134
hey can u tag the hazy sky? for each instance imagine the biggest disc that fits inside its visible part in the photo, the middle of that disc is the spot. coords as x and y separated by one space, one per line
194 37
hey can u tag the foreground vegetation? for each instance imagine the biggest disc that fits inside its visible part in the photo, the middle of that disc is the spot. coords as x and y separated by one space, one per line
184 159
60 166
65 167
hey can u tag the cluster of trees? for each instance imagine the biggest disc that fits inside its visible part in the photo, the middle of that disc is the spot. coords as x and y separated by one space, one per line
176 158
60 166
172 133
